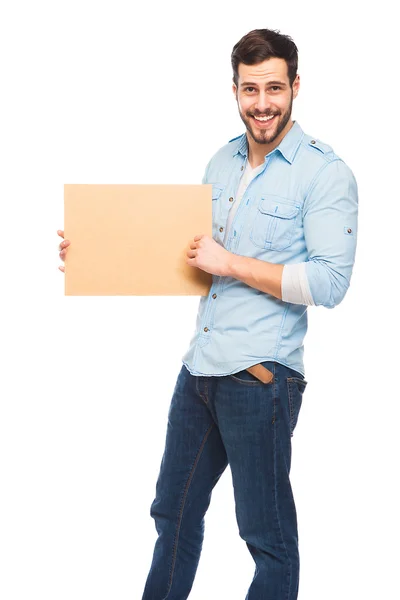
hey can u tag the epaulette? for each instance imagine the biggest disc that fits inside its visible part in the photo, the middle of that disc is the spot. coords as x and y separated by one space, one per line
324 148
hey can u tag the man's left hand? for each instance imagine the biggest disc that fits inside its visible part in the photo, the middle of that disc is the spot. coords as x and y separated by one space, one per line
208 255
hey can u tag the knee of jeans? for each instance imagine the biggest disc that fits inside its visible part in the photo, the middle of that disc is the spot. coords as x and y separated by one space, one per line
159 511
155 508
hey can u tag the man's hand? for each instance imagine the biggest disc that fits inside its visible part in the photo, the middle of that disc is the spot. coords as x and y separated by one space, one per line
63 248
208 255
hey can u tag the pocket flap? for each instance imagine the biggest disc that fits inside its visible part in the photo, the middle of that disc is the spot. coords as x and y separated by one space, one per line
216 190
273 206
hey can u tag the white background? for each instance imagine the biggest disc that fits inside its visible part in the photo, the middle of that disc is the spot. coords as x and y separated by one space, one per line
126 92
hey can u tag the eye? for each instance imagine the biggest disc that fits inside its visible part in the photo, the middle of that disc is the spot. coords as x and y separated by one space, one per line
249 89
275 88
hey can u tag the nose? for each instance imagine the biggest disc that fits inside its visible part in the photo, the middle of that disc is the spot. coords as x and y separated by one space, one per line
263 103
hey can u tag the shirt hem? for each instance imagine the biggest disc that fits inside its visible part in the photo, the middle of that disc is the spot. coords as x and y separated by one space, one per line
237 369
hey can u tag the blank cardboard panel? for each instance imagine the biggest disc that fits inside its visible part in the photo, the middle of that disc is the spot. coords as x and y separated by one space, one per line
133 239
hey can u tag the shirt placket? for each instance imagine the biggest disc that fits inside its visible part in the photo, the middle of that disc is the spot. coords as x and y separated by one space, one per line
216 288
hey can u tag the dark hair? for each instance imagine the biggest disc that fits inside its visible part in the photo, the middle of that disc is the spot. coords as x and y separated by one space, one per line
261 44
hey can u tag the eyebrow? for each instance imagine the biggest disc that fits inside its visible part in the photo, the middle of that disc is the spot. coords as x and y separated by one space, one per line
250 83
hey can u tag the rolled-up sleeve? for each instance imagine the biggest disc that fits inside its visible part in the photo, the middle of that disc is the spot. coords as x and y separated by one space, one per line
330 215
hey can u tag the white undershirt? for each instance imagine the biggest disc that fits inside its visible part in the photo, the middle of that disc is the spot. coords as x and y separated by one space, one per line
248 175
295 287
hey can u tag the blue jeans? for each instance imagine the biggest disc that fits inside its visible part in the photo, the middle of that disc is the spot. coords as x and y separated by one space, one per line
214 421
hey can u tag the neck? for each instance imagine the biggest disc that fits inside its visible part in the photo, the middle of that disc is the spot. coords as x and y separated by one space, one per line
258 152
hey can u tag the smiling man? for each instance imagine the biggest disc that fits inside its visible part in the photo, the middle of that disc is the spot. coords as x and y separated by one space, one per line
284 238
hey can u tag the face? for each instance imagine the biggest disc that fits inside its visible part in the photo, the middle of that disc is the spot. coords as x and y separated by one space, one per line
265 98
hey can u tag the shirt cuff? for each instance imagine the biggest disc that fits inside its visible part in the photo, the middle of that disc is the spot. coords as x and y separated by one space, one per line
295 286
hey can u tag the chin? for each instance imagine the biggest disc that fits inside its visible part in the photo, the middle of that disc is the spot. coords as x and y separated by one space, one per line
264 138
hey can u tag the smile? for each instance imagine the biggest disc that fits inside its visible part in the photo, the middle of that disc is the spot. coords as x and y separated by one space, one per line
263 118
264 122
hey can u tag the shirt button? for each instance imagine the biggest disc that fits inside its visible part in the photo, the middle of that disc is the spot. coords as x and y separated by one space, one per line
214 296
349 230
241 168
313 141
221 229
231 199
206 329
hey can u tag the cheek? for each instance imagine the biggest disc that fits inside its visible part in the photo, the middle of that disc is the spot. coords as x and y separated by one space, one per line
284 104
244 104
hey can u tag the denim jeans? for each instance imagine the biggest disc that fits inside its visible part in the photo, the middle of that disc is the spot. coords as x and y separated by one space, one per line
214 421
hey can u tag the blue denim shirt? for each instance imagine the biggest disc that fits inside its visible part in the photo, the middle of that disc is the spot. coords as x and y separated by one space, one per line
301 207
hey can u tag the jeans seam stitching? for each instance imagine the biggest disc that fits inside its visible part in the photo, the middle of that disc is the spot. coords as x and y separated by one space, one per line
181 509
203 396
289 386
275 493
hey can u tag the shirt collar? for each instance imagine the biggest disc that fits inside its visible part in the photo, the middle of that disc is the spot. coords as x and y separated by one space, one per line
288 146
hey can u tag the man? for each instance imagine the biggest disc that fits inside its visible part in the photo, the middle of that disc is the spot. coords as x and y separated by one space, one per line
284 237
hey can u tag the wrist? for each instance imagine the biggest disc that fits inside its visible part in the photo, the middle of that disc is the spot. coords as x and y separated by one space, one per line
233 264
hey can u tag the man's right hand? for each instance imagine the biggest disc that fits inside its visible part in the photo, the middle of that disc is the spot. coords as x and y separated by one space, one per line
63 248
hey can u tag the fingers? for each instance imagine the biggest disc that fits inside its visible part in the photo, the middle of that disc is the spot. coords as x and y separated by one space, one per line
63 248
192 253
64 244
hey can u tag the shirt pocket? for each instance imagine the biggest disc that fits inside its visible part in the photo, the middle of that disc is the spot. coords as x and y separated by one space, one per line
274 223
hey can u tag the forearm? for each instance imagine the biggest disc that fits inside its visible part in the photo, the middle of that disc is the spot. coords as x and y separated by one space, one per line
261 275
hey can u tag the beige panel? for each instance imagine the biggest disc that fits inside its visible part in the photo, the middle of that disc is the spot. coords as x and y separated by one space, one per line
133 239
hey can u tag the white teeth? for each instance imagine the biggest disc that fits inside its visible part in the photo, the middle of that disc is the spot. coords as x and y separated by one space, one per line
264 118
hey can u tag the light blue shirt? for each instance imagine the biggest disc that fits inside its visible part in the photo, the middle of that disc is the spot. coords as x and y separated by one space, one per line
301 208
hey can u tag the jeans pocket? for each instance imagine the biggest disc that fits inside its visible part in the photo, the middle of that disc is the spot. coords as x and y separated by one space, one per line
246 378
296 387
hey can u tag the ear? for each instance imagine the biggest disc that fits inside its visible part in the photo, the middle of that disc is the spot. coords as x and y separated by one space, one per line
296 86
234 89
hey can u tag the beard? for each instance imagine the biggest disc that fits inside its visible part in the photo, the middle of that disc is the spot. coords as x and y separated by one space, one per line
261 136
